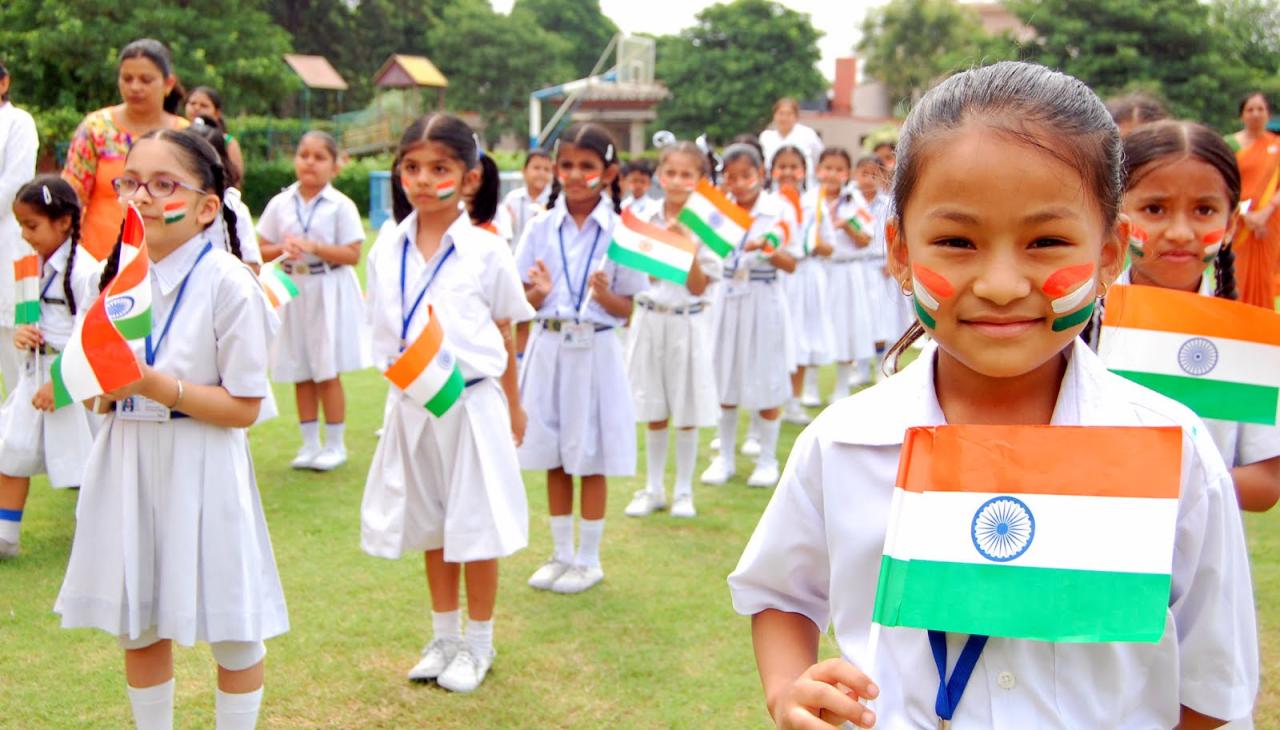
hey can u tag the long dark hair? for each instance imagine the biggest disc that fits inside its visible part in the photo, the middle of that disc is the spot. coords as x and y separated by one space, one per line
458 136
1147 147
212 131
597 139
158 54
214 97
1043 109
56 199
197 157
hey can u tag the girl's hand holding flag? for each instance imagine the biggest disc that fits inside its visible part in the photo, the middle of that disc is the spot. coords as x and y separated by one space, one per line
27 337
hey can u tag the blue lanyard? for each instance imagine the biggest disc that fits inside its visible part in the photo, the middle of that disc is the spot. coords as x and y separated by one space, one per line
406 317
950 690
49 283
153 350
586 268
297 211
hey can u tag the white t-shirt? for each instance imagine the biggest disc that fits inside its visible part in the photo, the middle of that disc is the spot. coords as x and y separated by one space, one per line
19 146
807 140
330 217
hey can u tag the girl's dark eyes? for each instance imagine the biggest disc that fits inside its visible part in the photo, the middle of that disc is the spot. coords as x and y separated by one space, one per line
1049 243
1206 210
1153 209
954 243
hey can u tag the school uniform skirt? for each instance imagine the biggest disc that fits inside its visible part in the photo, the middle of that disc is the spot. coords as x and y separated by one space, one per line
34 442
806 290
451 482
753 352
851 313
669 364
170 536
578 402
322 329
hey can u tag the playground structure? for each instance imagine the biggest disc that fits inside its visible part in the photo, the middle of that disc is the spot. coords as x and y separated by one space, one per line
376 128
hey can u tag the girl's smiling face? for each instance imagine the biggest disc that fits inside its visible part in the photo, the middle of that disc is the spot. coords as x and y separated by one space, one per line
788 169
537 174
742 180
431 174
1184 208
677 175
833 173
583 174
1003 247
45 235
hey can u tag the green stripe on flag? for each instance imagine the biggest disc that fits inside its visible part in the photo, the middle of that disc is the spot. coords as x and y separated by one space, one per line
648 265
708 234
286 281
1218 399
135 327
1045 604
448 394
60 395
27 312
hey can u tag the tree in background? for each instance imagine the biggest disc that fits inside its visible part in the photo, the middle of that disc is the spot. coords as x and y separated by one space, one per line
726 71
585 30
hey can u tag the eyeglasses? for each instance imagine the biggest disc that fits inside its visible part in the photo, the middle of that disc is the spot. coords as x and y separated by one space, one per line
161 187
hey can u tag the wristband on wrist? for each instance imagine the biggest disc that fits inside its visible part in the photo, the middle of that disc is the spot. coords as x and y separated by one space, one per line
177 401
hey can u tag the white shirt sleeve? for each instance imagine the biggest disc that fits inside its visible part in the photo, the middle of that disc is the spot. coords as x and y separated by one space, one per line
505 291
269 224
250 251
526 250
242 322
21 147
1256 442
350 226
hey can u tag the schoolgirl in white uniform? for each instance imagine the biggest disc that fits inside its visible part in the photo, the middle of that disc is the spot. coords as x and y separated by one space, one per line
35 438
754 345
171 543
868 174
968 199
852 303
448 486
669 356
581 419
319 232
522 205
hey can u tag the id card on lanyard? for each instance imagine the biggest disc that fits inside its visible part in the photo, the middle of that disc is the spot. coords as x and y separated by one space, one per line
406 311
578 335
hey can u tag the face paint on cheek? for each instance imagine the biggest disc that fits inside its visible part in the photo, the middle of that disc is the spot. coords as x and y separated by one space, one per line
1072 291
1213 243
592 179
445 189
405 182
174 211
929 289
1137 241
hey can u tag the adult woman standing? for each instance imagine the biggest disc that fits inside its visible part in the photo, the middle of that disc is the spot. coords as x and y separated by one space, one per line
103 139
19 145
787 130
205 101
1258 245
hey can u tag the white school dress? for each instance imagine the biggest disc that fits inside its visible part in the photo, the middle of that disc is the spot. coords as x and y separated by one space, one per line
31 441
817 552
519 208
574 385
321 333
669 355
754 348
806 288
170 533
451 482
851 304
885 312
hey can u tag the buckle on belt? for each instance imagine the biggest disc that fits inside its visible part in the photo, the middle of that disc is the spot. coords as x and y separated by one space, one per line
558 325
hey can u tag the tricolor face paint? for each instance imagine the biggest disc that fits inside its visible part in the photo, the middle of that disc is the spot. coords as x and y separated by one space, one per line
1072 291
593 180
1137 241
174 211
446 188
930 290
1213 243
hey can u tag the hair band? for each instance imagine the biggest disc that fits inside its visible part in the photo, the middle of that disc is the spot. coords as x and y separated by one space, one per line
48 196
479 148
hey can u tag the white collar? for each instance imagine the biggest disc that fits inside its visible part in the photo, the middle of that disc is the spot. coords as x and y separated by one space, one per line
1206 281
326 193
59 258
602 214
456 232
170 271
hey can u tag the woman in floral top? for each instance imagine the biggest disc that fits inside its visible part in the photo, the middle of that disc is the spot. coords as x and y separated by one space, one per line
103 139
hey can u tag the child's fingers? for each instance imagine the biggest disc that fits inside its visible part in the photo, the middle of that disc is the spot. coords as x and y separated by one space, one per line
839 671
834 707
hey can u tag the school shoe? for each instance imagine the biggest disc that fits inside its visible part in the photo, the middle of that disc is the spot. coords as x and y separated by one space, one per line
9 549
436 656
683 506
466 672
578 579
795 413
546 576
715 444
811 399
751 447
719 472
330 458
764 475
645 503
306 457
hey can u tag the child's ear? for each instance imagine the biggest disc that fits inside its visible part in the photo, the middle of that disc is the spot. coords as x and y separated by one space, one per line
899 261
64 226
471 180
1111 259
207 209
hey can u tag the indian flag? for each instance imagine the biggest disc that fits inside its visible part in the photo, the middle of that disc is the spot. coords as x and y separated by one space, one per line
1220 358
718 221
652 249
862 221
777 237
427 372
1006 531
98 358
277 284
26 279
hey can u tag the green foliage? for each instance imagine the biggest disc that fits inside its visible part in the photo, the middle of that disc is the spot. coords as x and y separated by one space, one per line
55 127
266 138
579 23
64 54
263 179
726 72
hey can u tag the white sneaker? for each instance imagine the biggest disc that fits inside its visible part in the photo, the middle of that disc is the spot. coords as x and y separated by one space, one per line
751 447
9 549
795 413
811 399
435 657
330 458
306 457
719 472
715 444
683 506
578 579
466 671
645 503
546 576
764 475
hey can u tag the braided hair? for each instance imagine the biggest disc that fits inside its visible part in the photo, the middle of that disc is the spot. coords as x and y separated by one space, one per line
198 158
55 199
597 139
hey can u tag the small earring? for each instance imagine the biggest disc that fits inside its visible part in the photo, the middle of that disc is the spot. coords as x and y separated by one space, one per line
1103 295
906 288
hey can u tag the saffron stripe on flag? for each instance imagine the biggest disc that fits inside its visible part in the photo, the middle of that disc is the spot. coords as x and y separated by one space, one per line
1168 310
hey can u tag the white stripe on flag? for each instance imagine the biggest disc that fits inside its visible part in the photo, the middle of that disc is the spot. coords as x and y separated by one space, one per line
1152 351
77 376
724 225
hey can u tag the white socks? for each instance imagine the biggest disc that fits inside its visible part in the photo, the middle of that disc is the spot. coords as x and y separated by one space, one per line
769 441
810 383
562 537
237 711
333 435
480 637
655 446
686 458
589 534
844 373
152 706
728 433
310 433
446 625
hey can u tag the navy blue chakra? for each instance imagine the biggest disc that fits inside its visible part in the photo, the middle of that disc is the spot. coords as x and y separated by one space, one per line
1003 528
119 307
1198 356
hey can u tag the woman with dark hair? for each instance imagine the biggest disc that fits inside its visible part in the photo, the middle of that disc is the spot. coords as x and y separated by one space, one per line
787 131
205 101
1258 246
19 145
148 90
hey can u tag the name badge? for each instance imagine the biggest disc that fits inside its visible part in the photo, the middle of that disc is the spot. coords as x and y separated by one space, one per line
579 335
137 408
742 274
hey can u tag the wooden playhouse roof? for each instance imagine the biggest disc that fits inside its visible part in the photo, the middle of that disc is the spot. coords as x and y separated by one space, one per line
403 72
316 72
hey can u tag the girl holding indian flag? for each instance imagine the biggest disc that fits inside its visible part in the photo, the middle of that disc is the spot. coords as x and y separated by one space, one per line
1008 187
